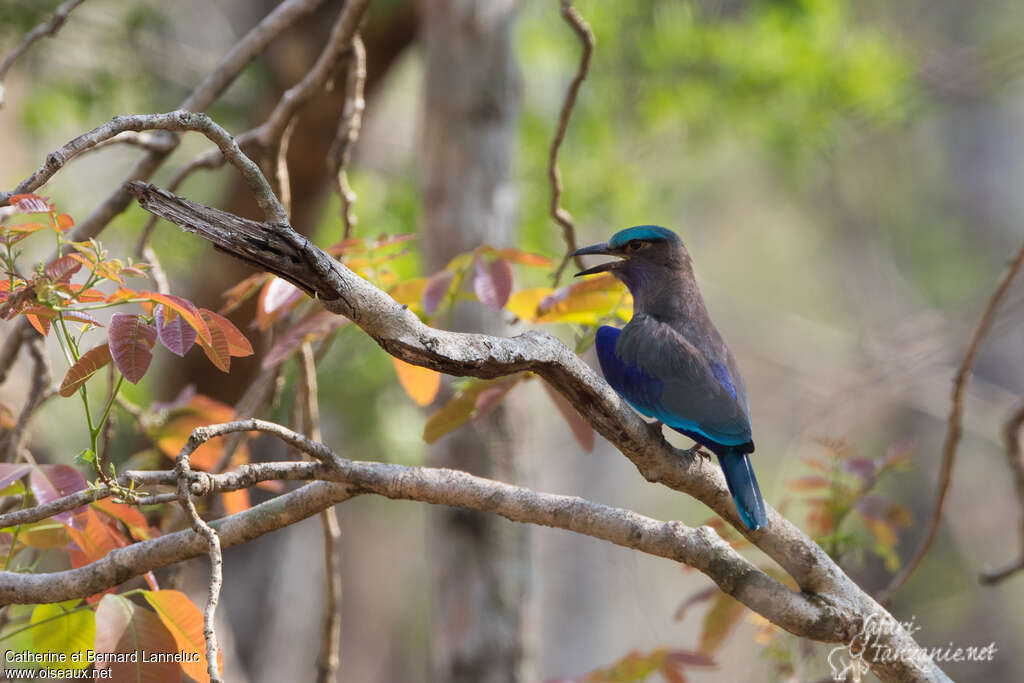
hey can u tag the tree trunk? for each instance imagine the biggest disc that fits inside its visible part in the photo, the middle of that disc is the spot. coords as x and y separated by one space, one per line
478 562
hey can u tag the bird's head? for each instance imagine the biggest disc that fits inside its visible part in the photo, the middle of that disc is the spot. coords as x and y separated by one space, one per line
646 254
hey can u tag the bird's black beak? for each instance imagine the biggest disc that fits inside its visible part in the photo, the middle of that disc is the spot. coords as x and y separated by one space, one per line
602 249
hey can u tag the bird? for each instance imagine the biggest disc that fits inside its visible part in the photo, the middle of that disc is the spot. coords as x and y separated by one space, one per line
670 363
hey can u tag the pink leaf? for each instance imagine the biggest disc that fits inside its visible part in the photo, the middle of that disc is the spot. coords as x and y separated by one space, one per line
131 341
582 432
436 289
177 335
10 473
30 203
314 326
492 282
279 293
489 399
50 482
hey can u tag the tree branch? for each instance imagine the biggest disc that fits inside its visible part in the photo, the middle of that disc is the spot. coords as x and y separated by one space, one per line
953 425
284 252
1011 434
47 28
561 216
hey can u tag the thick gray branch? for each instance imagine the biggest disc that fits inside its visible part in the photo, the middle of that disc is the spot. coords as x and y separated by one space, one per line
280 250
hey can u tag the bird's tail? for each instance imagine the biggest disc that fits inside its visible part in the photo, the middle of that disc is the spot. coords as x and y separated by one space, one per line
739 475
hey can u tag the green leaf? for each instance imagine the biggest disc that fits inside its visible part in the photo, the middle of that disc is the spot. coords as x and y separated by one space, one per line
65 631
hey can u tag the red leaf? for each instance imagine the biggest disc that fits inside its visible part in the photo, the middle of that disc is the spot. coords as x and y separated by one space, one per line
50 482
89 363
436 289
238 345
131 343
177 335
94 538
581 431
314 326
123 627
29 203
492 281
63 268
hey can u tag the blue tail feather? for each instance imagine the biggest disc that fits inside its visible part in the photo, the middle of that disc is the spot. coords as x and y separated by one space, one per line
739 475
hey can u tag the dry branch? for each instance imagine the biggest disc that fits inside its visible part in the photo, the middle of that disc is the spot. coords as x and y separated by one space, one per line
561 216
280 250
1011 434
47 28
953 425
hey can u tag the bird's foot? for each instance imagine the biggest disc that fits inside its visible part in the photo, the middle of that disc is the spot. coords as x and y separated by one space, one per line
695 450
655 428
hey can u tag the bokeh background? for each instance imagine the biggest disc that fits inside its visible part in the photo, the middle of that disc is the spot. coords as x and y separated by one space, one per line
846 176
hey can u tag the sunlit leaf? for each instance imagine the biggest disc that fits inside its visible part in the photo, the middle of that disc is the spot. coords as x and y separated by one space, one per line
66 631
131 343
421 384
523 258
80 317
88 364
93 538
64 222
185 622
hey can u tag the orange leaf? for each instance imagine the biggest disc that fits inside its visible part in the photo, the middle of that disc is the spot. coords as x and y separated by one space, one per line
88 364
242 291
420 383
95 539
719 621
127 515
236 501
185 622
238 345
216 348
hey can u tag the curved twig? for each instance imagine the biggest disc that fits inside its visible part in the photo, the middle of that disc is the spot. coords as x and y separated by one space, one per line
953 425
561 216
1011 434
340 153
47 28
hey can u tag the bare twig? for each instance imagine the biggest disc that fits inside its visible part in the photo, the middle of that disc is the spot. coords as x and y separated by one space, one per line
147 141
953 425
561 216
47 28
1011 434
39 391
330 644
348 132
215 83
173 121
184 474
834 619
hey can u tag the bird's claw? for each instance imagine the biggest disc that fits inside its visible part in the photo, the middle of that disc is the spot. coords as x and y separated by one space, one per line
695 450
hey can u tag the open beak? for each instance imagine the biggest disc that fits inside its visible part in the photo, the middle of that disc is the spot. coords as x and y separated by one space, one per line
597 249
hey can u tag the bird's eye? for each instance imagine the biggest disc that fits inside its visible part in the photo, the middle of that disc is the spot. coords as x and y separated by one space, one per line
634 245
